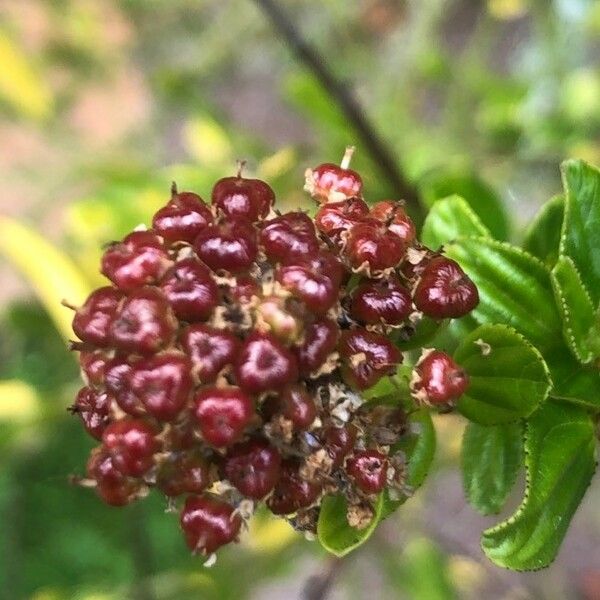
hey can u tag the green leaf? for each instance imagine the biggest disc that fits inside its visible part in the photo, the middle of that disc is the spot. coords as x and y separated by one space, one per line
514 289
425 330
449 219
577 311
333 531
508 378
580 238
542 237
560 462
491 458
482 198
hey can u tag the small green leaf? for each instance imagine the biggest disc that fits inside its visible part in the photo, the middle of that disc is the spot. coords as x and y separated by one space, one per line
514 289
542 237
572 381
508 377
449 219
560 462
491 458
580 238
482 198
333 531
577 310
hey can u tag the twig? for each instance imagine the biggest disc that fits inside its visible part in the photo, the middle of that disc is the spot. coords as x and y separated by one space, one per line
318 586
343 96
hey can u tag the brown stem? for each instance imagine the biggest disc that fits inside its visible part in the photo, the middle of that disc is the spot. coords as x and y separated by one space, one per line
318 586
345 99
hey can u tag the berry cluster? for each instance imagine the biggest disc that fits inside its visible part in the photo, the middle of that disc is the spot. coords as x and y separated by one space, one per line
226 360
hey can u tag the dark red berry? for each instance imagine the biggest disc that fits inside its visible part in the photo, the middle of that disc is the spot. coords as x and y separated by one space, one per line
288 237
162 384
208 523
244 289
381 301
209 350
92 407
325 262
292 491
111 485
138 260
339 442
264 364
253 467
332 183
372 247
296 404
367 356
222 414
183 473
92 321
190 290
394 215
93 366
335 218
117 380
183 218
320 340
368 469
229 246
145 322
131 443
438 380
317 290
445 291
241 198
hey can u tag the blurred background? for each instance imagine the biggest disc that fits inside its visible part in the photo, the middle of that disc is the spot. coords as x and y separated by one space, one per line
103 103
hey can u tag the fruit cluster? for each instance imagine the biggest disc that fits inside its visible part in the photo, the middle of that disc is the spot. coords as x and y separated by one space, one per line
226 360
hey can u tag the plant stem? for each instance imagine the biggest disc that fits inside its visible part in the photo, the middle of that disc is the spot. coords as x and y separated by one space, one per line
319 586
347 102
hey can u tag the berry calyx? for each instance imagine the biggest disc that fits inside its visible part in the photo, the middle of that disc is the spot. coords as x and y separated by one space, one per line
183 218
368 470
241 198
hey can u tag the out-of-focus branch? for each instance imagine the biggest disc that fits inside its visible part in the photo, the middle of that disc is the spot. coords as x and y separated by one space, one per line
345 99
318 586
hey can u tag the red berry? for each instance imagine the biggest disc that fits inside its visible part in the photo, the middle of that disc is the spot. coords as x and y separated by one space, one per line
253 467
317 290
368 469
116 377
339 441
162 384
93 366
111 485
394 215
292 492
208 523
145 322
332 183
92 321
327 263
334 218
131 443
445 291
138 260
222 414
438 380
92 407
244 288
190 290
296 404
183 473
289 237
381 301
209 350
183 218
373 247
264 364
320 340
241 198
367 356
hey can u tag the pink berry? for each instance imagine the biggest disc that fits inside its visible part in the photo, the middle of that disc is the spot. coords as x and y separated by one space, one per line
330 183
117 375
183 218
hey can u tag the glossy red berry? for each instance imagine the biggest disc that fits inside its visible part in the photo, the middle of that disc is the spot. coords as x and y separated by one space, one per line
117 381
445 291
93 366
131 444
140 259
183 473
92 321
292 492
288 237
335 218
296 404
367 356
325 263
190 290
332 183
253 467
339 442
368 469
145 322
438 380
318 292
264 364
208 523
162 384
111 485
241 198
92 407
183 218
320 340
381 301
222 414
209 350
394 215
